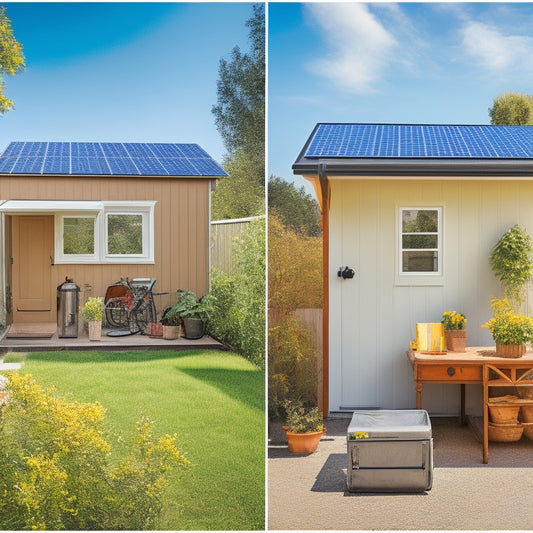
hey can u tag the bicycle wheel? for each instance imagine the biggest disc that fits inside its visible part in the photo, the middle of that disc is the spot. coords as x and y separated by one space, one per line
116 313
140 317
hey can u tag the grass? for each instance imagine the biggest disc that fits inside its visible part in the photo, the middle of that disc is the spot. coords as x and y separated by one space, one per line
213 400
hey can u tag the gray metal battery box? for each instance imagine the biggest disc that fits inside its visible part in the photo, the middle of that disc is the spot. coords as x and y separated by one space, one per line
390 451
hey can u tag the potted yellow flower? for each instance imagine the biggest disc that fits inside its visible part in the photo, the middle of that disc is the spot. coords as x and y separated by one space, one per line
454 331
92 312
510 331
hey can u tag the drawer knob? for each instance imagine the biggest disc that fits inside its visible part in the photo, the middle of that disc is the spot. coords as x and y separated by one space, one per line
451 371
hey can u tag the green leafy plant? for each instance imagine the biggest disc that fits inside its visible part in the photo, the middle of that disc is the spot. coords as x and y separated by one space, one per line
188 306
171 317
506 326
93 309
57 471
453 320
302 420
511 262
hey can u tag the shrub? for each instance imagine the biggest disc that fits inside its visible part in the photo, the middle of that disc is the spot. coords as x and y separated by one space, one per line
239 316
56 471
292 367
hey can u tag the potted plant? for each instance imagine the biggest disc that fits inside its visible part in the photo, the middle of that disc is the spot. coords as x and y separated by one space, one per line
171 324
454 331
194 312
92 312
510 331
304 427
511 262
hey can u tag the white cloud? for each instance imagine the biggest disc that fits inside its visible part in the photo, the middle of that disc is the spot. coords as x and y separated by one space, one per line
495 51
360 48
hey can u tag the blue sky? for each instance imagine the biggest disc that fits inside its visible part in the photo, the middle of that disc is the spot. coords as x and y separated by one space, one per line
120 72
392 63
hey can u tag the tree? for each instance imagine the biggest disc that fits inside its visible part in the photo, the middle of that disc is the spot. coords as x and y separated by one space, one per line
297 210
11 58
240 120
511 108
240 112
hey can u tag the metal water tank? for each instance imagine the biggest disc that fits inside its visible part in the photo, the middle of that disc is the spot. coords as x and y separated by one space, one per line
67 309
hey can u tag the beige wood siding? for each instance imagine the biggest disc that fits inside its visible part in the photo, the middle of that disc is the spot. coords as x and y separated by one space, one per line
181 227
372 318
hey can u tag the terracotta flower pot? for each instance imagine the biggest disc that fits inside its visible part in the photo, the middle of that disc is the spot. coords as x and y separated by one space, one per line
303 442
455 340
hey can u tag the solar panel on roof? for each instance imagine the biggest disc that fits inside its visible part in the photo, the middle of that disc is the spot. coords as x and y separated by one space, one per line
415 141
145 159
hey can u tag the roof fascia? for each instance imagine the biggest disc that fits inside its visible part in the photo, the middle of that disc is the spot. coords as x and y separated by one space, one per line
416 167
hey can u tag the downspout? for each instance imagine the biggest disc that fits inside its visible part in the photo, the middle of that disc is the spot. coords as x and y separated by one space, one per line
325 193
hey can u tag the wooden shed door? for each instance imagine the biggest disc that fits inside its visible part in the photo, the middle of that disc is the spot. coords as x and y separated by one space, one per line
33 245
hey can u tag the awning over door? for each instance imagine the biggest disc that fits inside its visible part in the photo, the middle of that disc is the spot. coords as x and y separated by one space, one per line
48 206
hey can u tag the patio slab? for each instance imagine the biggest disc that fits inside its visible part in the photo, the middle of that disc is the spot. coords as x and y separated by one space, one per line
308 492
131 342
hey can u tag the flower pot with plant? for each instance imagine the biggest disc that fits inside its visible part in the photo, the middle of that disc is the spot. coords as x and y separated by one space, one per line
454 331
304 427
510 331
171 324
92 313
194 313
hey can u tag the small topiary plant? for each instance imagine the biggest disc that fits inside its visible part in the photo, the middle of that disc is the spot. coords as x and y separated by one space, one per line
511 262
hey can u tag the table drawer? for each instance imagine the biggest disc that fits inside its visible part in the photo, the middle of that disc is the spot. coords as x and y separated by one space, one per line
450 372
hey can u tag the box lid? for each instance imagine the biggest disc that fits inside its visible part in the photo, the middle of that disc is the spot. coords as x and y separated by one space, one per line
390 424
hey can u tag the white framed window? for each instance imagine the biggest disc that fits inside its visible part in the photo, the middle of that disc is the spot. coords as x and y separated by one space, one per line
79 237
119 232
420 245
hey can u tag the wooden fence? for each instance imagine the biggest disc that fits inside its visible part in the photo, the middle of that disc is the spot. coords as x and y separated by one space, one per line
223 235
313 321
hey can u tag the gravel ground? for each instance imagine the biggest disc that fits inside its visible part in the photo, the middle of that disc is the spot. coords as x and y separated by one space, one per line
308 492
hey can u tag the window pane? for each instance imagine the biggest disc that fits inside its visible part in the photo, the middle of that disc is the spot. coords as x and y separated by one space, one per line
78 235
420 221
420 241
124 234
420 261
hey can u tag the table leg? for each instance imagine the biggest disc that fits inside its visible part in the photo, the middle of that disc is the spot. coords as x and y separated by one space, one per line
463 404
418 387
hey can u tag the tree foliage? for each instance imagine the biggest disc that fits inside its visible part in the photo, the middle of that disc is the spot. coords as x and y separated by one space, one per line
296 209
243 193
240 119
294 281
11 58
512 109
56 471
240 111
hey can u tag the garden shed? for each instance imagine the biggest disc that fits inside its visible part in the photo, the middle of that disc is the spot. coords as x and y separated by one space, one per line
96 212
461 187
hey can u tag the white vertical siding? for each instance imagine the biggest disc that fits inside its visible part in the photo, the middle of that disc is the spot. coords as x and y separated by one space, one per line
372 319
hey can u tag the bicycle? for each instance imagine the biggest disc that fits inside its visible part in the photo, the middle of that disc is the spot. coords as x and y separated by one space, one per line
130 304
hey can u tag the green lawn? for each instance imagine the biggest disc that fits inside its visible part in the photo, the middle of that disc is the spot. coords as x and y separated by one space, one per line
213 400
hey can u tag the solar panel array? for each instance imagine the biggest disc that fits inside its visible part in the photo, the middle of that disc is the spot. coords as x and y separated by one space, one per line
420 141
131 159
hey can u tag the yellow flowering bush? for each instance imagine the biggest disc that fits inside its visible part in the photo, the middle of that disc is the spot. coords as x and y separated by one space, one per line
56 470
453 320
506 326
